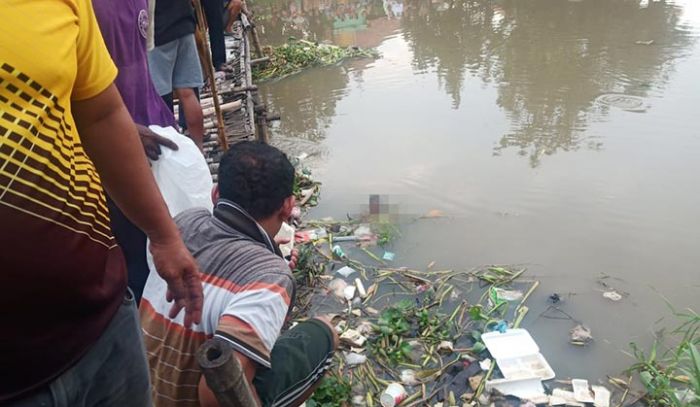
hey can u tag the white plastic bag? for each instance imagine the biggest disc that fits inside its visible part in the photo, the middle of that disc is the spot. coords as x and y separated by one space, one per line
183 175
184 181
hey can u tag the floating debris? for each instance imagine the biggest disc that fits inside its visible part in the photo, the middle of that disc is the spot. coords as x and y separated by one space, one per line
446 346
353 338
475 381
354 359
601 396
612 295
388 256
297 55
393 395
349 292
408 377
338 287
624 102
580 335
346 271
581 391
434 214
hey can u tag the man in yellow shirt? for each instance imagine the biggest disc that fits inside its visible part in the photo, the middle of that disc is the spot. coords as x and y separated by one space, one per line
70 335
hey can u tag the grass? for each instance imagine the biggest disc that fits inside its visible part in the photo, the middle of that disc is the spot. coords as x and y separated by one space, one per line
671 377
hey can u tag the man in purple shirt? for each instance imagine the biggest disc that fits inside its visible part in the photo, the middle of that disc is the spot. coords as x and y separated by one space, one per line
124 26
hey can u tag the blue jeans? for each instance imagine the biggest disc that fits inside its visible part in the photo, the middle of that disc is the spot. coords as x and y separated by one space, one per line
114 372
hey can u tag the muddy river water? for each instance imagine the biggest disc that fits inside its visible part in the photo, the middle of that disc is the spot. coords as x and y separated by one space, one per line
561 135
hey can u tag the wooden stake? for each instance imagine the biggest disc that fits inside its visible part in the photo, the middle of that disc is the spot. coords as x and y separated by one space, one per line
205 54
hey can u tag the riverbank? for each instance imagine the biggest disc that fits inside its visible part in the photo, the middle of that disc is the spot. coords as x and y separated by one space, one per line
423 328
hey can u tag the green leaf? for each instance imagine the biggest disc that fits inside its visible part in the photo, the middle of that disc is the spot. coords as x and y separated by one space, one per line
647 380
652 354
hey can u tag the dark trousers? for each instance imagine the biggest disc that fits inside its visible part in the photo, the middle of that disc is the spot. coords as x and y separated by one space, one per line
214 12
132 241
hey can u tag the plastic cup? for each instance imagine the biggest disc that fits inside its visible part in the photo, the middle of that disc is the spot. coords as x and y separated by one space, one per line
393 395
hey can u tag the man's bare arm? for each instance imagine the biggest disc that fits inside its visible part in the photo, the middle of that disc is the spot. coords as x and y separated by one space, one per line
110 138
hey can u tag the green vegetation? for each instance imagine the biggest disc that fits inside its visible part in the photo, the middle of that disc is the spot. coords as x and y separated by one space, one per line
672 377
296 55
333 392
386 233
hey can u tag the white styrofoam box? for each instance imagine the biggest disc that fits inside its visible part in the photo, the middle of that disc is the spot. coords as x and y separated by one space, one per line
517 354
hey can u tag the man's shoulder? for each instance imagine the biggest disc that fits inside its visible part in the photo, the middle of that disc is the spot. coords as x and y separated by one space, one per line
190 217
251 261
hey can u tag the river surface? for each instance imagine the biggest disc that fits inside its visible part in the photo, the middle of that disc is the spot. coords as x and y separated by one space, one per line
562 135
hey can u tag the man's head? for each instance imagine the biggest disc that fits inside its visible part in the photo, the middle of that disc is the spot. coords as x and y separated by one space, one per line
260 179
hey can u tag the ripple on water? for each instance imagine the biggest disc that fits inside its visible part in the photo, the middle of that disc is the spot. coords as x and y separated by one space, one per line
624 102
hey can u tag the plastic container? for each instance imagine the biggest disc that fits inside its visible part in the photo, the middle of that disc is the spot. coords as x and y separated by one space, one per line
517 355
393 395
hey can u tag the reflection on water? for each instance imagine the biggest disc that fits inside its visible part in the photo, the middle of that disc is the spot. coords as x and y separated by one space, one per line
554 133
550 59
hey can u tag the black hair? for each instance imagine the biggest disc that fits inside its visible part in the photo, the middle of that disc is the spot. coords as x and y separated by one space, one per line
257 177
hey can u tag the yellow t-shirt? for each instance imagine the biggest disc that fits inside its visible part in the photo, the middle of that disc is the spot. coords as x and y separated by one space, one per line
63 274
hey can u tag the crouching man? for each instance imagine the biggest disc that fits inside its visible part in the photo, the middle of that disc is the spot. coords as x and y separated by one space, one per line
248 292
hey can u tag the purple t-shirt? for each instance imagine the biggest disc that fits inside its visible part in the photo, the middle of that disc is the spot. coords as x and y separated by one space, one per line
124 26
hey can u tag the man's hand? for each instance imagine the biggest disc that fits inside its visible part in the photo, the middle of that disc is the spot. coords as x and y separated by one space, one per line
110 138
234 10
152 142
176 266
294 256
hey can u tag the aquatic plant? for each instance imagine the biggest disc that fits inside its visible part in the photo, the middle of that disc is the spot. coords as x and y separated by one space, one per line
672 377
334 391
296 55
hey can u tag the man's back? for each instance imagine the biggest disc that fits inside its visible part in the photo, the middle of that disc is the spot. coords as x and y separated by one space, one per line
247 293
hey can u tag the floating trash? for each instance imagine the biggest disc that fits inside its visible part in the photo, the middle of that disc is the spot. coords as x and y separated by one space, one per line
408 377
346 271
360 288
338 287
353 338
624 102
580 335
612 295
602 396
388 256
349 292
393 395
353 359
581 391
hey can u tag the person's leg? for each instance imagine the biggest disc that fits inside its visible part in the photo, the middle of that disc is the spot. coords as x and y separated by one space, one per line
113 373
214 12
181 117
194 119
187 74
300 358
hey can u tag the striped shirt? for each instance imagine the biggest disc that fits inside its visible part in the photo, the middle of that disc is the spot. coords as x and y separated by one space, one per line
62 273
248 290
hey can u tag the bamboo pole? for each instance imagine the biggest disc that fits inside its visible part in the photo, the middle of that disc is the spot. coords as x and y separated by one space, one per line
224 374
253 31
205 54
